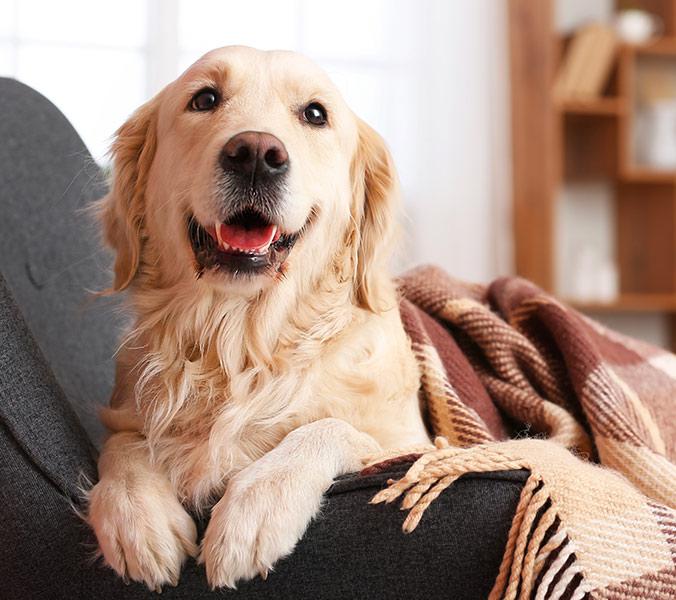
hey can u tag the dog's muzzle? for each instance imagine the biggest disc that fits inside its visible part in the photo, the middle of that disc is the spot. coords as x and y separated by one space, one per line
247 238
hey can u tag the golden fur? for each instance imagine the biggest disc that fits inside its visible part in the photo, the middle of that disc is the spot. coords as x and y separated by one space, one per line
251 392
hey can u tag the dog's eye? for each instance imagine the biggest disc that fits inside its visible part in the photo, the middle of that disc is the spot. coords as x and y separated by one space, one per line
315 114
205 99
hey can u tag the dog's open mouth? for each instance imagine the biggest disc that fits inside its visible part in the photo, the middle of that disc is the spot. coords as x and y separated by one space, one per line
247 243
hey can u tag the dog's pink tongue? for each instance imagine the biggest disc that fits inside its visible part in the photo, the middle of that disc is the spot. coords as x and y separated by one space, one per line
237 236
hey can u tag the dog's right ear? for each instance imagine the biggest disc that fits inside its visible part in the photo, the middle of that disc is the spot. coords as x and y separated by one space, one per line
122 210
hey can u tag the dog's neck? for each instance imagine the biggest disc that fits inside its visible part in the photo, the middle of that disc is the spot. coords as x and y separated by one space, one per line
222 352
235 365
243 332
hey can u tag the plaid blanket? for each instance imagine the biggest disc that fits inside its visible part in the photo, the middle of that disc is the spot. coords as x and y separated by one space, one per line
512 379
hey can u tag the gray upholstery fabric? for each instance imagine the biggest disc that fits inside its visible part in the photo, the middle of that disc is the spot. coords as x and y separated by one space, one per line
34 410
56 349
49 249
353 551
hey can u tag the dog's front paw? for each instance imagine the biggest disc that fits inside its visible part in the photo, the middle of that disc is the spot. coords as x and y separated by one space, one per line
267 506
144 533
257 522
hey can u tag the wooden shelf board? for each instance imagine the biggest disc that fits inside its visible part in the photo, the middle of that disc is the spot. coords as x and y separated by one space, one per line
663 46
648 175
630 303
594 107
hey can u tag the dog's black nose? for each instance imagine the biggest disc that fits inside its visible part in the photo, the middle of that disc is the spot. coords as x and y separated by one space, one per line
255 152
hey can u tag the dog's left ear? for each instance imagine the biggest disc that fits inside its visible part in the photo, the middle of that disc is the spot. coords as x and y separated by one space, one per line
375 210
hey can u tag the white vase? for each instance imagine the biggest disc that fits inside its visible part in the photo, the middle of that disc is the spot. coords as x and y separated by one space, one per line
637 26
658 138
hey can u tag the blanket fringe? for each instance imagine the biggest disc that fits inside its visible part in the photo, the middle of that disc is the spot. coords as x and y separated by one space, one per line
434 471
538 555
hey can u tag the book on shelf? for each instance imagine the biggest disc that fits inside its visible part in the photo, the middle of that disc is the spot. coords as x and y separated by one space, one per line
587 64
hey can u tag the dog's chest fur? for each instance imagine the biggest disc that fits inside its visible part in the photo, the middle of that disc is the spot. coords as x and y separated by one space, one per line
224 401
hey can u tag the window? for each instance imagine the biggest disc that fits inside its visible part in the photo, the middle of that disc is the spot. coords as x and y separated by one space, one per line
87 57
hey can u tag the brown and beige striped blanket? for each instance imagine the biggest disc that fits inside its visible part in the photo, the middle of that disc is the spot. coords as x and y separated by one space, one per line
512 379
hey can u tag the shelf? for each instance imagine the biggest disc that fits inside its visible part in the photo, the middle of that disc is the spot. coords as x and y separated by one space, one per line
630 303
594 107
648 175
557 140
664 46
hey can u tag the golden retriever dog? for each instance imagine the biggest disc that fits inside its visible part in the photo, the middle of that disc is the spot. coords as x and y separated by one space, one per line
252 215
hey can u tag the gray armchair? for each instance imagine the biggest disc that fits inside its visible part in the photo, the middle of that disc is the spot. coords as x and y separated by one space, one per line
56 366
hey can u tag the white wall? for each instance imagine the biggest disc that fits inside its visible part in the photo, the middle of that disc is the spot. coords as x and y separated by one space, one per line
460 188
570 14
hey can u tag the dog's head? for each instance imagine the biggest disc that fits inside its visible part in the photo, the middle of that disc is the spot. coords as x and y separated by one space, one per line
247 169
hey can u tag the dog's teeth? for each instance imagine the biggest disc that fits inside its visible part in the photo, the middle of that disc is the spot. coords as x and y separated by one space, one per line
218 234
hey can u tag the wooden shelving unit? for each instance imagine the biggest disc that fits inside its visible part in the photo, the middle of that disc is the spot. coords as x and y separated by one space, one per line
597 107
631 303
646 175
554 143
